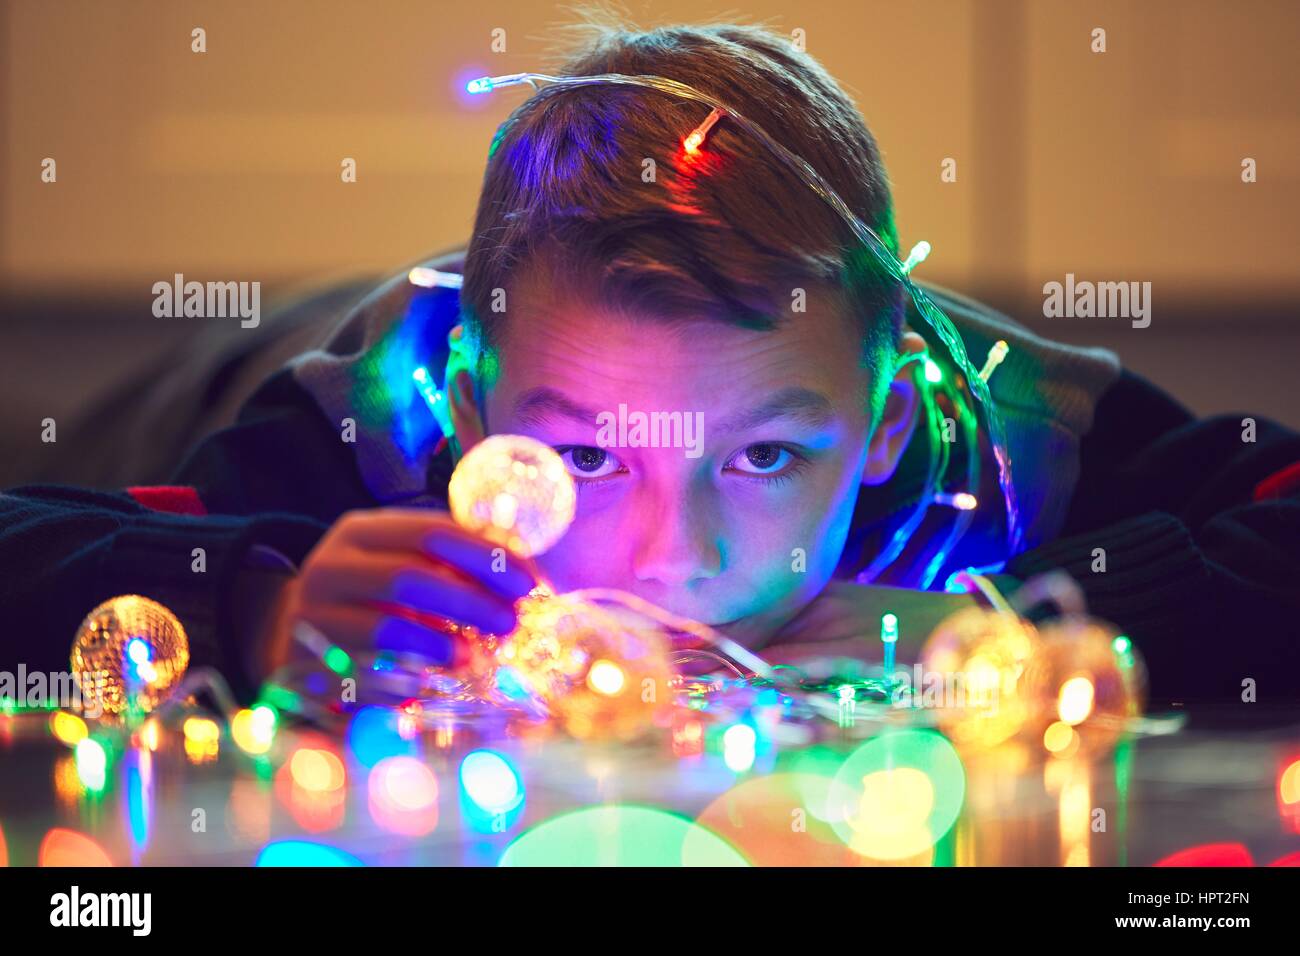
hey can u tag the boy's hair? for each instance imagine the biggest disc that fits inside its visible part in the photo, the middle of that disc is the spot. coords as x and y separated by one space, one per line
570 197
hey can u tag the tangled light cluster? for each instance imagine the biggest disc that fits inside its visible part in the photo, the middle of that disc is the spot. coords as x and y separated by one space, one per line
1067 689
601 673
128 655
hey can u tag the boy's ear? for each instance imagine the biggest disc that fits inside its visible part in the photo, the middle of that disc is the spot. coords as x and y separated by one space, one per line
466 418
898 422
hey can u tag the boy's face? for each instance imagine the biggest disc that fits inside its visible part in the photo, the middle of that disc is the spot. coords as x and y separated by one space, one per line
744 525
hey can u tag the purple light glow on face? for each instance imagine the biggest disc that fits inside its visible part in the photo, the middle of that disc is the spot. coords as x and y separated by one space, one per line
750 524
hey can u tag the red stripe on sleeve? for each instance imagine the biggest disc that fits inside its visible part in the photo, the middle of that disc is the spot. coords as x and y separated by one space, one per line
173 499
1279 483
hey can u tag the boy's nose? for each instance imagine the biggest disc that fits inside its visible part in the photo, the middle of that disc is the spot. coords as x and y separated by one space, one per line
675 548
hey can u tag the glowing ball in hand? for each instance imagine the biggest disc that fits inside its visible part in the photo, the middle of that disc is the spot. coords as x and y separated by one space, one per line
513 490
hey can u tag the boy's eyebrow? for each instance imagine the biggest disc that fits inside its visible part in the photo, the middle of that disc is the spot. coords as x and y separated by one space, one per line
811 408
544 402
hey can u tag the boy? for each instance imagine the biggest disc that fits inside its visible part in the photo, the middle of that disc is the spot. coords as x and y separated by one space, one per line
590 287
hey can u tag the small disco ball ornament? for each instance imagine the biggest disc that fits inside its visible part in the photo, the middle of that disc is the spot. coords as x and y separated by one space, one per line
972 670
129 654
513 490
601 672
1085 682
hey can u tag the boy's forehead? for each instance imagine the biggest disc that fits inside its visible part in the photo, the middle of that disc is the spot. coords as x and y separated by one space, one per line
620 356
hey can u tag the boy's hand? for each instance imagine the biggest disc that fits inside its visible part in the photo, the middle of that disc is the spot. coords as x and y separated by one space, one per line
385 579
843 622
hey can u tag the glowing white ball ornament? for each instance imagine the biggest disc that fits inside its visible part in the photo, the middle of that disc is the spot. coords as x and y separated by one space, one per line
513 490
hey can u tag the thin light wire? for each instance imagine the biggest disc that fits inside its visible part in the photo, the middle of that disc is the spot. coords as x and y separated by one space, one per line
741 655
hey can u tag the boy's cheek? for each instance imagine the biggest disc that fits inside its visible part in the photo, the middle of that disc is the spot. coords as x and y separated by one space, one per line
587 557
764 570
566 573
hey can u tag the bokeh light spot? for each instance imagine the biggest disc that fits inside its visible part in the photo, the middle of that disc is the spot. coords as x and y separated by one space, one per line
883 787
620 836
69 848
404 796
606 677
318 771
377 733
490 782
738 747
304 853
92 764
68 728
1074 703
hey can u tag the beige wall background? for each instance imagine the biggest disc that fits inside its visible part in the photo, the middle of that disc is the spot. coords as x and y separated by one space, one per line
1122 165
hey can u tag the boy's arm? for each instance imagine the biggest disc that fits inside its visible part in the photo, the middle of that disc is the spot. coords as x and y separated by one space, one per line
1188 537
282 455
65 550
252 496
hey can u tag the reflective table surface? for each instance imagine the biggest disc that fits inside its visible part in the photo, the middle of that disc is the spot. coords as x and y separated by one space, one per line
380 793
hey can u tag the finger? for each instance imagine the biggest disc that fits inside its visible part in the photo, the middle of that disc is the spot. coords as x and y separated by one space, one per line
496 567
465 603
359 628
367 579
435 535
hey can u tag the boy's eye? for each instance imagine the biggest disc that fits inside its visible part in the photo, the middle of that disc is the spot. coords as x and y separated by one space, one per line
584 461
761 459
